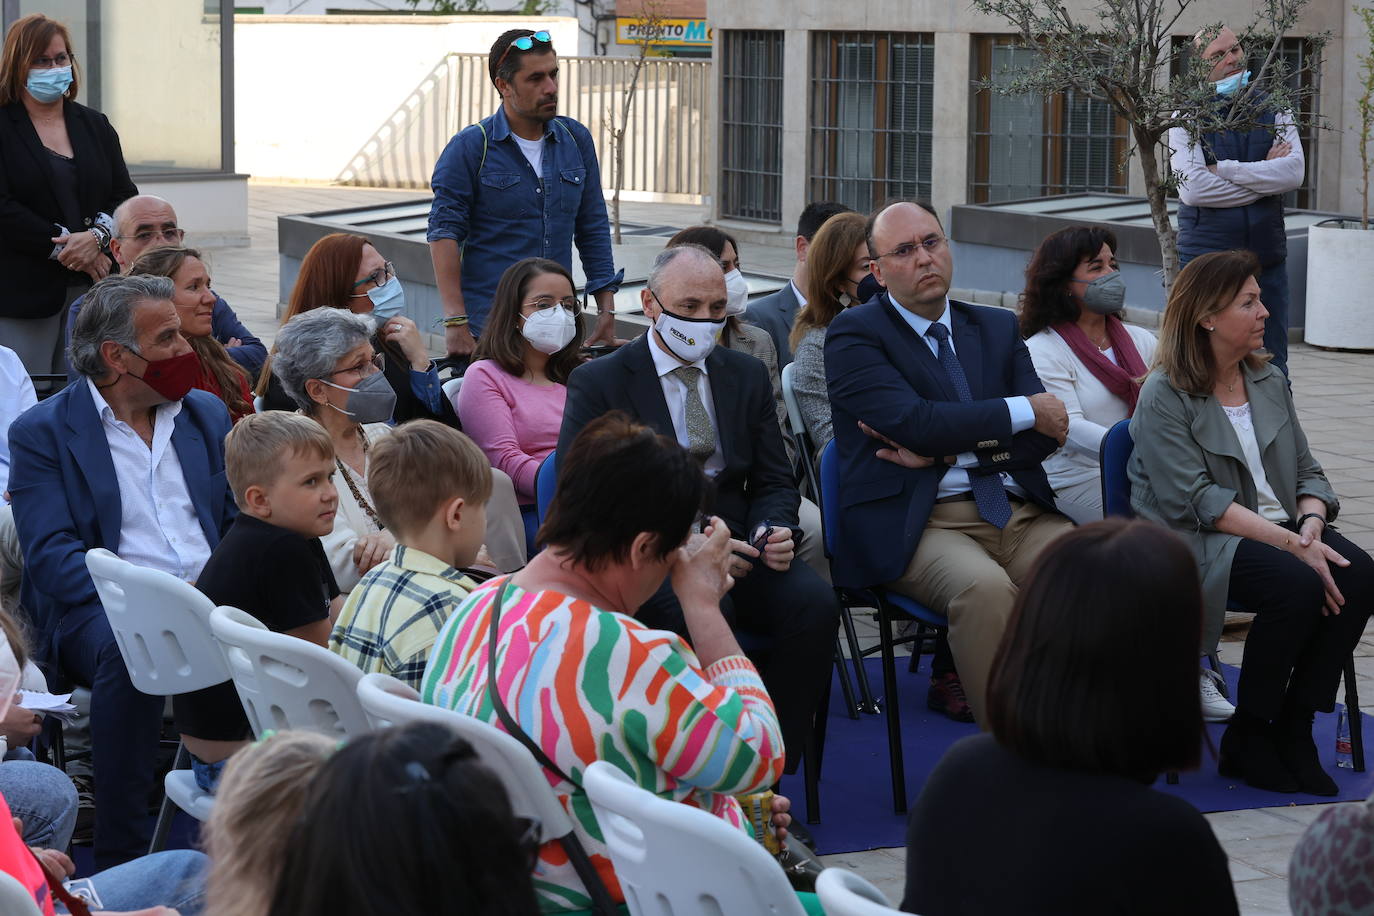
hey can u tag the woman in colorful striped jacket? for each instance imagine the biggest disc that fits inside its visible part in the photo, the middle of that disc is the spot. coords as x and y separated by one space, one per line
584 681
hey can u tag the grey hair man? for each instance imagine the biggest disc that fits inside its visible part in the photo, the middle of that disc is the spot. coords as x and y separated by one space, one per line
129 458
144 222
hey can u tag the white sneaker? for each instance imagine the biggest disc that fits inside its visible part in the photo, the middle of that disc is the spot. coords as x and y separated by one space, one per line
1215 707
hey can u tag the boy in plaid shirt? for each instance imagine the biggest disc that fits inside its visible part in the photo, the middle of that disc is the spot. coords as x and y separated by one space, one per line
430 485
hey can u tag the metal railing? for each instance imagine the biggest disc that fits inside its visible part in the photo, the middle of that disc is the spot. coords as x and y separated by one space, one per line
667 135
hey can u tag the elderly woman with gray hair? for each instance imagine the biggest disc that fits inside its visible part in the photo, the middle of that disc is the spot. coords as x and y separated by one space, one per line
325 361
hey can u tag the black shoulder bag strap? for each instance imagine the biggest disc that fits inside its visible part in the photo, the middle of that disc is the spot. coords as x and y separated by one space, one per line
577 855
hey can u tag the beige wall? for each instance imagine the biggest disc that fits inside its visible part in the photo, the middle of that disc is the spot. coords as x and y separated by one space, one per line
311 90
954 24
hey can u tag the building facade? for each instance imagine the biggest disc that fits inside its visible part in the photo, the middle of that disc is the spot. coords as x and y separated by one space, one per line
870 100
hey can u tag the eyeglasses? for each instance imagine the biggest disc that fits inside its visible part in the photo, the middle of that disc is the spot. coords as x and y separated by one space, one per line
377 362
376 278
163 235
47 63
524 43
544 303
903 252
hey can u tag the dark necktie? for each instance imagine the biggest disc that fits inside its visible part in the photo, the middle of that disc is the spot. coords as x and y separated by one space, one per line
988 493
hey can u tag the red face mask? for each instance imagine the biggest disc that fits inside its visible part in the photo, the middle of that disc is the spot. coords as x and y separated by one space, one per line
172 378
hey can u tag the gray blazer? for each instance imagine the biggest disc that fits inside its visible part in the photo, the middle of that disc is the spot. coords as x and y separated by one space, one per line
752 340
774 313
1187 467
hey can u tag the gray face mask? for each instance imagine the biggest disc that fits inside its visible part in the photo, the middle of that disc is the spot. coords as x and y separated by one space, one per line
1106 294
371 402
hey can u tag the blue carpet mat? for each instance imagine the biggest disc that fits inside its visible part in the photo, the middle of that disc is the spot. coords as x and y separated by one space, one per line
856 789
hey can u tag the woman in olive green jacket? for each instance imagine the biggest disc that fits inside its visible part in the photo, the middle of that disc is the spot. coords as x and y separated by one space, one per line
1220 458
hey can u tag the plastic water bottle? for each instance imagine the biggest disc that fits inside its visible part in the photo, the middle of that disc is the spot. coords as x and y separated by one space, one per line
1343 758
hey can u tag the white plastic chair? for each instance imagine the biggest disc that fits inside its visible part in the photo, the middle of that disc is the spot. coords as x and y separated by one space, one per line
285 682
162 627
847 893
450 389
387 701
674 860
258 403
14 899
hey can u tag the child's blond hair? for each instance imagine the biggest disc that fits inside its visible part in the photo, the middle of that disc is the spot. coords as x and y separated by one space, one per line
256 449
419 466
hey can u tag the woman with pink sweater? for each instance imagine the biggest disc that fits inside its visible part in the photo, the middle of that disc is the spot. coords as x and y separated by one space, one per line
511 401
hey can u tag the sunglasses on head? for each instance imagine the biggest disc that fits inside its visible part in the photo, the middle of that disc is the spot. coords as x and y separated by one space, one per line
524 43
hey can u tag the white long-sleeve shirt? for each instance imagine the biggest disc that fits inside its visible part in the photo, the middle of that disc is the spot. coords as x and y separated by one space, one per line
1235 184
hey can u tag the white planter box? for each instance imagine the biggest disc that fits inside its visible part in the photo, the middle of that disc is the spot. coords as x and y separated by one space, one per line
1340 288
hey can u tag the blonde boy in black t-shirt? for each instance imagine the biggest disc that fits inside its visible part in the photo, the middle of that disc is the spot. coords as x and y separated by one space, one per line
270 563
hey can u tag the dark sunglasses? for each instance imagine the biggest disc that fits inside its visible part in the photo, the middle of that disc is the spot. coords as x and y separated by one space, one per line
524 43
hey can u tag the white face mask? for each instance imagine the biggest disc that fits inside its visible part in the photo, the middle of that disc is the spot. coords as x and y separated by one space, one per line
689 339
736 293
550 330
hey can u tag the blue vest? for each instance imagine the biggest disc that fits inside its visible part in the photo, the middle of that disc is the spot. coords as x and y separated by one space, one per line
1257 226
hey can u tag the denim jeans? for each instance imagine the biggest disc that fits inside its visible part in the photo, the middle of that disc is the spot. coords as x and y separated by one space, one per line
43 797
175 878
207 774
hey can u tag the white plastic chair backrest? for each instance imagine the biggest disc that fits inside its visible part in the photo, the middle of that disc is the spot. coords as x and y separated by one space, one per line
847 893
161 625
789 399
451 390
285 682
387 701
673 859
14 899
258 403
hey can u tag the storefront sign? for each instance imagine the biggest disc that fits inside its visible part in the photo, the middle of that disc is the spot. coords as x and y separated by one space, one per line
671 33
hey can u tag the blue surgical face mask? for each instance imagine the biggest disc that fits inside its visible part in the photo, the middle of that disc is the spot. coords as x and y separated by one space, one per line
49 85
1232 83
388 300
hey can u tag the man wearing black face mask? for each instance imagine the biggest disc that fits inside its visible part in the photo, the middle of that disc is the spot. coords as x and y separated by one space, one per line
718 404
130 459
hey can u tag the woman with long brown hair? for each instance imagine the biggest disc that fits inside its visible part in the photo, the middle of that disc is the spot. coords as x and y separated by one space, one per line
345 271
511 402
1221 459
195 305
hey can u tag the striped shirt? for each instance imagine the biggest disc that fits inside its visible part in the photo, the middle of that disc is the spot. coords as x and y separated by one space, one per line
395 612
588 684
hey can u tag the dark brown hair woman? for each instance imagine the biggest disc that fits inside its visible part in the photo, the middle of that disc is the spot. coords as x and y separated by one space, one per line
1093 694
511 402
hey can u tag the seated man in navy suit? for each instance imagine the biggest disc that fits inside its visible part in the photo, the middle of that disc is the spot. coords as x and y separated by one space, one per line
776 312
144 222
128 457
958 522
718 404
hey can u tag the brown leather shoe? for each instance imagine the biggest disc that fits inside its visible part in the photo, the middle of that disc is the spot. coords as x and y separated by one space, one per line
946 696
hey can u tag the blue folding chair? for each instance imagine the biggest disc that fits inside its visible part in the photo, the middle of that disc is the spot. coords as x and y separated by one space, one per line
545 481
1114 456
891 606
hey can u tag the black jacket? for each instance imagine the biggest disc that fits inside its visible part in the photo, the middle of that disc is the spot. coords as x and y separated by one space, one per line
756 482
29 209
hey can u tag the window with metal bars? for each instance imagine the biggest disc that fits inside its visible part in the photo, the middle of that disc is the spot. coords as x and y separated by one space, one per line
751 125
871 100
1033 145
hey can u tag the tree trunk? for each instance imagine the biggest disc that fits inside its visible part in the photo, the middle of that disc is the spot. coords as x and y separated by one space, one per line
619 164
1147 148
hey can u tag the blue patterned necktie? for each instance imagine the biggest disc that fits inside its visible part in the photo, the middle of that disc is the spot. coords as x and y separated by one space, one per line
988 493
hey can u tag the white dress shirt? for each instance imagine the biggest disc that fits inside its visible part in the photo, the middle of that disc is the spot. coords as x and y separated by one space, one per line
675 393
1019 409
796 291
16 396
158 525
1235 184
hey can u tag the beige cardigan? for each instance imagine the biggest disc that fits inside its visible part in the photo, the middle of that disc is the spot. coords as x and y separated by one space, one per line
1187 467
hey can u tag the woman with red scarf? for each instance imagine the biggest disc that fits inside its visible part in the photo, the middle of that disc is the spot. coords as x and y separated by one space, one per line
1084 353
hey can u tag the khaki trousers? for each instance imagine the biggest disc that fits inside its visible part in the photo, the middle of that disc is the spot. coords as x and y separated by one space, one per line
969 571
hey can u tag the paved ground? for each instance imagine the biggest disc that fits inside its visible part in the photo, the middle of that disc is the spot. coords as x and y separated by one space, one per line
1335 399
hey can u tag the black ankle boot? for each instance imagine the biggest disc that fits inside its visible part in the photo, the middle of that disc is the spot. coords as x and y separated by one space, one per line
1297 750
1249 752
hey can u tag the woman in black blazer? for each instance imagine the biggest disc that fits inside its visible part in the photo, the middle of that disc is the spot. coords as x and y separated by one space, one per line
62 174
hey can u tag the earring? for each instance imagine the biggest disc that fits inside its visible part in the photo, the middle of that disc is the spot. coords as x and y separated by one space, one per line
1212 328
845 300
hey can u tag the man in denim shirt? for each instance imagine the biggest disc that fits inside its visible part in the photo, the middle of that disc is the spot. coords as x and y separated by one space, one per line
521 183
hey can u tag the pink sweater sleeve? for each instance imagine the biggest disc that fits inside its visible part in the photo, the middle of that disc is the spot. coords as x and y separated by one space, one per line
516 425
